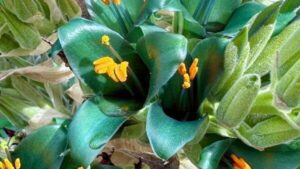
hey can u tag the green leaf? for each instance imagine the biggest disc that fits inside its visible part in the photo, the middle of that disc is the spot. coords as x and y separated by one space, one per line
268 133
241 16
24 34
9 45
283 156
82 47
222 10
167 135
237 102
113 106
142 30
42 148
119 18
288 87
212 154
90 130
162 53
69 8
286 39
190 24
210 53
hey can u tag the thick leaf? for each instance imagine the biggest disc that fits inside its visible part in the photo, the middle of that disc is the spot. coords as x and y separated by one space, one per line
162 53
142 30
190 24
286 39
24 34
80 42
119 18
167 135
69 8
222 10
210 53
42 148
279 157
268 133
90 130
113 106
212 154
241 16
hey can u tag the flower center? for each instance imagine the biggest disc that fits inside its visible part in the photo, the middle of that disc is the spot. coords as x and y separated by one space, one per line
188 77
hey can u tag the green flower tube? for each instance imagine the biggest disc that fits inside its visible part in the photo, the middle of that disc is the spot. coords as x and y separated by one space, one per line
236 104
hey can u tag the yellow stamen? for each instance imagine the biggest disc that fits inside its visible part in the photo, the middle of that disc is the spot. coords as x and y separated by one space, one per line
2 166
80 168
182 69
186 85
111 72
193 69
105 40
121 71
8 164
186 81
17 163
102 64
239 163
117 2
186 77
106 2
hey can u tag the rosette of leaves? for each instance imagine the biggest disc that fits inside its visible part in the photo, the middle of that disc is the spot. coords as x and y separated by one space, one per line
24 24
239 90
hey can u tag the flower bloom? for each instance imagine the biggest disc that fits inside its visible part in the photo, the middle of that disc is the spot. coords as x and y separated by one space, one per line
239 163
6 164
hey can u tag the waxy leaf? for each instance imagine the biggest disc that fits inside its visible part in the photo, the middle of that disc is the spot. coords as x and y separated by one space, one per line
42 148
283 156
90 130
190 24
162 53
167 135
212 154
80 40
241 16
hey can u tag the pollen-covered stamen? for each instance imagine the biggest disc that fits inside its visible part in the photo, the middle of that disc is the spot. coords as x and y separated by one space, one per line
105 40
182 69
106 2
239 163
17 163
121 71
8 164
186 81
117 2
193 69
111 72
102 64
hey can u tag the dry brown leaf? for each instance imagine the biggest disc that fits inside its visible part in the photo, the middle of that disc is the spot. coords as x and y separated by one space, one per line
44 73
43 118
75 93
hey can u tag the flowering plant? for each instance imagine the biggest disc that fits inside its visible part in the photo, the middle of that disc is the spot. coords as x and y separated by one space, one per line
216 82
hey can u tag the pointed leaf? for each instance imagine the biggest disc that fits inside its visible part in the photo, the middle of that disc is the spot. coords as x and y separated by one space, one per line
42 148
90 130
162 53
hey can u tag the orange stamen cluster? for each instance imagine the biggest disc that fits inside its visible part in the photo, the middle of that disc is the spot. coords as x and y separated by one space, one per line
239 163
116 2
6 164
188 77
106 65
